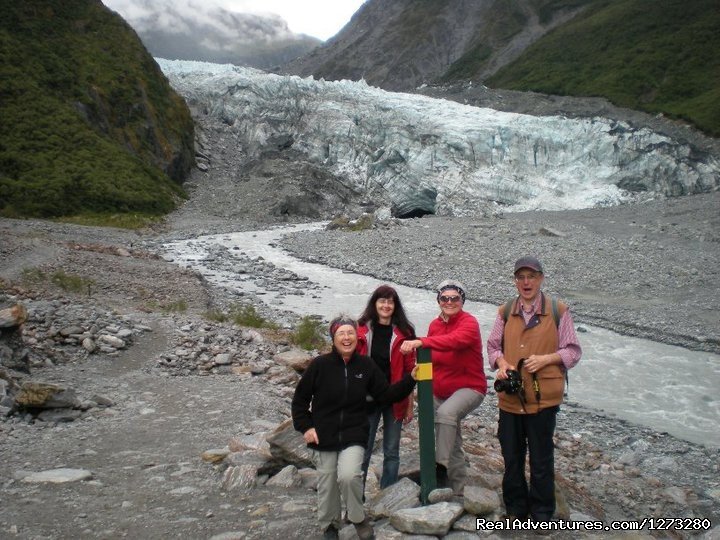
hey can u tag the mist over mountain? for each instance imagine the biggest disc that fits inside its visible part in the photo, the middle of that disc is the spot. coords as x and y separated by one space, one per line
206 32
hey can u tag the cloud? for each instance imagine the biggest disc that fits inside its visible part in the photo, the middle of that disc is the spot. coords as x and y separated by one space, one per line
186 16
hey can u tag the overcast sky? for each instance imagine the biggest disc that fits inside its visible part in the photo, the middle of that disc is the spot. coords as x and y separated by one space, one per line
318 18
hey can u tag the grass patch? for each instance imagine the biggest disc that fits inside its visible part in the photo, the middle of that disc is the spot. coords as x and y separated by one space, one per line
59 278
72 282
32 276
216 315
242 315
131 221
179 306
363 223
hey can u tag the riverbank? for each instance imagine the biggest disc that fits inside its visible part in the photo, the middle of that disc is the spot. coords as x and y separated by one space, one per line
648 270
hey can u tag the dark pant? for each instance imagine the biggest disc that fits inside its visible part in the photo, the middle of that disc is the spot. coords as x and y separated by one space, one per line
518 433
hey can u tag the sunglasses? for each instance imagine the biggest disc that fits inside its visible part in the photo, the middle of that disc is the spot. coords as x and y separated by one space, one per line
449 299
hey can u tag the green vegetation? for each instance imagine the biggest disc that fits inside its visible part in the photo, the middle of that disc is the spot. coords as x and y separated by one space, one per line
248 316
242 315
216 315
363 223
661 57
32 276
309 334
89 122
178 306
72 282
59 278
470 63
121 221
509 18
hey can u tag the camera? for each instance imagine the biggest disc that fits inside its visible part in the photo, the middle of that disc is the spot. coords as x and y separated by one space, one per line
511 385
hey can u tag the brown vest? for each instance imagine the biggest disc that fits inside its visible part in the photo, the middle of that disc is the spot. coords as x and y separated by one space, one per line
539 337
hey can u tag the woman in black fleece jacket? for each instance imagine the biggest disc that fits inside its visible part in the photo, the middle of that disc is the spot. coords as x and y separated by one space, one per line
329 409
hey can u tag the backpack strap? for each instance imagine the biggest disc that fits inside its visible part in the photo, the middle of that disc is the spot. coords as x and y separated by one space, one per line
507 308
556 316
555 311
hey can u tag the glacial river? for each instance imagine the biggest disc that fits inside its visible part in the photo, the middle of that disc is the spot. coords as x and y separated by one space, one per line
659 386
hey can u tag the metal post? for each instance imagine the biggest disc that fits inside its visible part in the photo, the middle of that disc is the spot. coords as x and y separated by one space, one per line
426 422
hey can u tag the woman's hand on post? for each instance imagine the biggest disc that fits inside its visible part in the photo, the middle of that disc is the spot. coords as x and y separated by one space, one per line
414 372
310 436
409 345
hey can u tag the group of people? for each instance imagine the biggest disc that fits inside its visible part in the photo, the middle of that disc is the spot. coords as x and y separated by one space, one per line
371 372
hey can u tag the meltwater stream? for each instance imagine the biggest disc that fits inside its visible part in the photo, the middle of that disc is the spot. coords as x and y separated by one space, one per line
659 386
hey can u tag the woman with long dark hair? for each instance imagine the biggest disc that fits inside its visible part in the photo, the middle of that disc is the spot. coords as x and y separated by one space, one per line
382 328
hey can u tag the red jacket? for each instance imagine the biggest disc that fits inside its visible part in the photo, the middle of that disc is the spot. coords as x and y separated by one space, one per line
400 363
457 360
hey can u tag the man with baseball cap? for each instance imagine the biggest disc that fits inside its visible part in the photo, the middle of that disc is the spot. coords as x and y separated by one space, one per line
534 336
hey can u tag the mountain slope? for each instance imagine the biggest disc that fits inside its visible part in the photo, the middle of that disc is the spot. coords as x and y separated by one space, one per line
90 123
400 44
661 56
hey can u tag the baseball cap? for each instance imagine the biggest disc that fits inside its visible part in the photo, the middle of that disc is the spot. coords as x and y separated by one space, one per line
528 262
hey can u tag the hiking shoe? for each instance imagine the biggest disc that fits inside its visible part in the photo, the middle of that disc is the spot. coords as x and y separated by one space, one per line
331 533
364 530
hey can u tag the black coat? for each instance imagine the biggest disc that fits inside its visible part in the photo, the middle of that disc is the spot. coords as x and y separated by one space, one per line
331 397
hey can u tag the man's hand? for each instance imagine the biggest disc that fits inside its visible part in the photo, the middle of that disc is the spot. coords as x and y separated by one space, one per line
536 362
310 436
502 366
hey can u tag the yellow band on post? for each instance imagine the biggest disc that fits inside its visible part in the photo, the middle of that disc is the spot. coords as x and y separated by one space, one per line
424 372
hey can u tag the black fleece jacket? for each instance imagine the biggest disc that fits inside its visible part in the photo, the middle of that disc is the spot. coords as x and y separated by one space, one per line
331 397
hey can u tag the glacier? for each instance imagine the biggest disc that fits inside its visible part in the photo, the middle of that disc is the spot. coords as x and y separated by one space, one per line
424 155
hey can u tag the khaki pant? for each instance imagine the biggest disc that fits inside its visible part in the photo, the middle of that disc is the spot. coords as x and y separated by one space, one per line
448 436
339 474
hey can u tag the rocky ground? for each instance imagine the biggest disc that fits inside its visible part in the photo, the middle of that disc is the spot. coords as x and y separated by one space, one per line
165 427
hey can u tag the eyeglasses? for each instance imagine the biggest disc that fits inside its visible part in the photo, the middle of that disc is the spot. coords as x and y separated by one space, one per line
529 277
388 301
449 299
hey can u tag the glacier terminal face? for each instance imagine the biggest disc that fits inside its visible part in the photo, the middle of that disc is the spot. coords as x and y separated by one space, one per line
428 155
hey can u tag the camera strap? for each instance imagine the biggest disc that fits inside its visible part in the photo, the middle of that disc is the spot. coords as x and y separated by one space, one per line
536 387
521 393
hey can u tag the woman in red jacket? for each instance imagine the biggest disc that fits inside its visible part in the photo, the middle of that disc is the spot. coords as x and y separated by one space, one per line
382 328
459 383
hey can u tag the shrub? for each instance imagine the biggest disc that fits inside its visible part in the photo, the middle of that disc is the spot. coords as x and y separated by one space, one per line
309 334
248 316
216 315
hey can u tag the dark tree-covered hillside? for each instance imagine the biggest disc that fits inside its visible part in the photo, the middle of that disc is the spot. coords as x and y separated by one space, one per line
90 124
